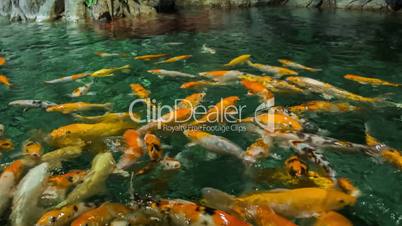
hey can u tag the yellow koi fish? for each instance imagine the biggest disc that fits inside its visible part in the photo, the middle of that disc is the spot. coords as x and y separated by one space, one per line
4 80
218 112
63 216
66 153
191 102
274 70
150 57
279 121
32 148
102 166
68 78
175 59
109 71
332 219
107 117
294 65
6 145
256 151
139 90
68 108
299 203
238 60
323 106
370 81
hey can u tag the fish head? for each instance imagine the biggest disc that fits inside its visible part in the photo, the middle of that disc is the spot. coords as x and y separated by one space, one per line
6 144
154 71
393 156
132 138
53 217
295 167
153 145
32 148
294 79
170 164
337 200
16 168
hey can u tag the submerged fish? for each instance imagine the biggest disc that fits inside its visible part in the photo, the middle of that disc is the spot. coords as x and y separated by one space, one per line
68 108
169 164
295 167
206 49
150 57
256 88
109 71
142 93
274 85
32 103
105 54
219 112
222 76
323 106
184 213
27 195
294 65
347 186
276 121
332 218
177 116
102 215
66 153
81 91
63 216
191 101
213 143
274 70
4 80
107 117
2 60
175 59
370 81
256 151
102 166
6 145
299 203
153 146
199 84
167 73
32 148
238 60
133 151
68 78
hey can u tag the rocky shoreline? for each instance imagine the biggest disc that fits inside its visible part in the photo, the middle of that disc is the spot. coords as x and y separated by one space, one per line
73 10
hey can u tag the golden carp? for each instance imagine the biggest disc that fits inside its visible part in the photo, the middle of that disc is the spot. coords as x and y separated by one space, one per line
218 112
323 106
175 59
68 108
6 145
370 81
32 148
106 72
274 70
107 117
150 57
102 215
256 151
256 88
63 216
66 153
199 84
238 60
68 78
332 219
191 102
5 81
222 76
294 65
102 166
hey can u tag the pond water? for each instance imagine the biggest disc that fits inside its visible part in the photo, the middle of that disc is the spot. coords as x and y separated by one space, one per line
339 42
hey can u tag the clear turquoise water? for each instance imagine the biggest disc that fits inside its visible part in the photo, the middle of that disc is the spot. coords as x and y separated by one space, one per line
339 42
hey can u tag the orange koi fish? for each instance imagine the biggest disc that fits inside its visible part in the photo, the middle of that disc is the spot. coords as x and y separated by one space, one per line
139 90
63 216
2 60
295 167
332 219
150 57
370 81
347 186
300 203
68 108
153 146
218 112
198 84
258 89
262 215
238 60
279 121
134 149
222 76
175 59
294 65
4 80
102 215
323 106
191 102
256 151
274 70
274 85
68 78
185 213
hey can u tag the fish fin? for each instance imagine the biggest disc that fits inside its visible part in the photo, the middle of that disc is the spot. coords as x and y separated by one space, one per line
109 106
217 199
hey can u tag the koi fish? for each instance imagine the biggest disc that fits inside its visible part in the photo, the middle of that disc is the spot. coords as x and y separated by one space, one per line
106 72
238 60
258 89
328 89
134 149
102 166
2 60
177 116
213 143
102 215
370 81
222 76
294 65
169 164
274 70
63 216
27 195
142 93
332 218
81 91
6 145
262 215
323 106
274 85
206 49
347 186
299 203
199 84
175 59
62 154
218 112
184 213
68 108
150 57
161 72
5 81
107 117
295 167
389 154
8 181
153 146
277 121
191 102
256 151
32 104
105 54
58 186
32 148
68 78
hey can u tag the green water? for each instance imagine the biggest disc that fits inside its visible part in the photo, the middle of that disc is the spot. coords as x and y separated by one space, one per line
339 42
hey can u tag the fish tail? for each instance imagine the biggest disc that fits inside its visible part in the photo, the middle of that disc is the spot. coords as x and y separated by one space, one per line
217 199
108 106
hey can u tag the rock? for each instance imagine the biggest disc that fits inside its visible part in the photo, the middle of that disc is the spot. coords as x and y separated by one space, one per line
223 3
74 10
5 7
50 10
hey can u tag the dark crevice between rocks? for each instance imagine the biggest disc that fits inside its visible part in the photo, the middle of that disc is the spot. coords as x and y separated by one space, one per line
166 6
394 4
